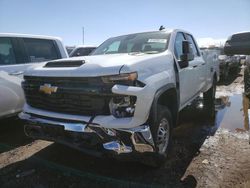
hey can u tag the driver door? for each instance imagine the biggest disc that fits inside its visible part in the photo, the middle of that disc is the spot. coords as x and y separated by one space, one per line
187 75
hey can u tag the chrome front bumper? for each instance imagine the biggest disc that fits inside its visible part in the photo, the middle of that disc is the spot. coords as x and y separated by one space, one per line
117 141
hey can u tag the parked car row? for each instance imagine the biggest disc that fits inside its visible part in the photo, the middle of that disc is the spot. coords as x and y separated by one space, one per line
239 44
18 52
228 64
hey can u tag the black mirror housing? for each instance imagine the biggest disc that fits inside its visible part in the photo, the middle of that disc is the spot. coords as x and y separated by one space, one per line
187 54
185 47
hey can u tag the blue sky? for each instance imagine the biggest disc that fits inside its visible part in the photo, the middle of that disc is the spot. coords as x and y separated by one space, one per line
106 18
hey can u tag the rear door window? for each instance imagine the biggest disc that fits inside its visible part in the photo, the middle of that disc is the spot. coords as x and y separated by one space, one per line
193 45
7 56
39 50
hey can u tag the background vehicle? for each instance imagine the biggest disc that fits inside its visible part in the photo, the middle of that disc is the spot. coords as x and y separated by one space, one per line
11 95
228 64
69 49
239 44
17 53
123 99
82 51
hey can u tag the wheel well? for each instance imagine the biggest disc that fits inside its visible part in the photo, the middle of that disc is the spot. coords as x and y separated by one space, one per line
170 100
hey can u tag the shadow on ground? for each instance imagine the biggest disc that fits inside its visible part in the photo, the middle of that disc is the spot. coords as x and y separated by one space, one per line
12 134
61 166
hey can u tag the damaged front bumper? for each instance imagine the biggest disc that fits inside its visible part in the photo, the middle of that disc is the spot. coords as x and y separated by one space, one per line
90 138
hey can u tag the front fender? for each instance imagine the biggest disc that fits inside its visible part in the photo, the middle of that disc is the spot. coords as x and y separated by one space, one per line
158 94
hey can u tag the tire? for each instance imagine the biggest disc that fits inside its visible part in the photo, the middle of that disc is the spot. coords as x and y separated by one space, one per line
161 129
247 81
209 96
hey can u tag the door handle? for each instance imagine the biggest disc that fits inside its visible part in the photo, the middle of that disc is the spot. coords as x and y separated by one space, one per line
16 73
203 64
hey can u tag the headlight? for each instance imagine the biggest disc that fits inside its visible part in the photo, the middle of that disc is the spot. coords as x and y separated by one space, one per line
122 106
130 77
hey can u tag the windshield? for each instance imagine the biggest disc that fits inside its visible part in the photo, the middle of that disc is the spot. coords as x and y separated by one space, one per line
153 42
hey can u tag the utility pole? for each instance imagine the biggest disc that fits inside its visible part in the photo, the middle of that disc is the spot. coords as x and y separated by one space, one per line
83 35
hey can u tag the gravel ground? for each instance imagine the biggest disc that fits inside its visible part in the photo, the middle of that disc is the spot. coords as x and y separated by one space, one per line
205 153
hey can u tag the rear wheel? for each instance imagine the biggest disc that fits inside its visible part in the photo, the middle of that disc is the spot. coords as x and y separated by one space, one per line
209 96
247 81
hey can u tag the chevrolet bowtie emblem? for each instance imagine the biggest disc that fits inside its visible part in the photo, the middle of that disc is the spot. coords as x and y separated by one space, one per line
48 89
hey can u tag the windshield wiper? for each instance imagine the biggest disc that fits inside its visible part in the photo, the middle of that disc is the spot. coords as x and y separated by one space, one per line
146 52
134 53
151 52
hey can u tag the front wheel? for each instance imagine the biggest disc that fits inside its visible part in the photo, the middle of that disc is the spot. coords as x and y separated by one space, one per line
161 128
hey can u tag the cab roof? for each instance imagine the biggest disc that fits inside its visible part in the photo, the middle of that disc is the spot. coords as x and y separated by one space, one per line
29 36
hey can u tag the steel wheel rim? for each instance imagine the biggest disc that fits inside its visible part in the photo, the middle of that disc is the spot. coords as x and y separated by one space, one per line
163 136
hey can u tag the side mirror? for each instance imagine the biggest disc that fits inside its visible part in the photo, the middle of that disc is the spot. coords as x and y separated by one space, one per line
185 47
187 54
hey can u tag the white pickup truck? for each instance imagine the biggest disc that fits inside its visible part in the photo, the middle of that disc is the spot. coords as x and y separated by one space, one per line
124 99
17 53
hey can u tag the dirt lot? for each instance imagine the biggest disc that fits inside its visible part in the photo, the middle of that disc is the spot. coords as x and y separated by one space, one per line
208 151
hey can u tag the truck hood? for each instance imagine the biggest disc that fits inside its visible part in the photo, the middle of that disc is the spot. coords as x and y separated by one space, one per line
98 65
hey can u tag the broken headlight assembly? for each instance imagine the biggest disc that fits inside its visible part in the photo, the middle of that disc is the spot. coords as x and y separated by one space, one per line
122 106
121 78
129 79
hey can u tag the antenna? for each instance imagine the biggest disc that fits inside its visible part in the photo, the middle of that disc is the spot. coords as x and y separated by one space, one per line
161 28
82 35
